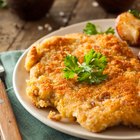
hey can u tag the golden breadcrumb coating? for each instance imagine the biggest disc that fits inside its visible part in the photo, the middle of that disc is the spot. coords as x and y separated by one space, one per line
95 107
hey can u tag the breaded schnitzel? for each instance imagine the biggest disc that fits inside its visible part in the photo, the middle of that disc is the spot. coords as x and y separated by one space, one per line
95 107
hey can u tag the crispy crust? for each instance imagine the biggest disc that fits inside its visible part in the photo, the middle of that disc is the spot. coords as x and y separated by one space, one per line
95 107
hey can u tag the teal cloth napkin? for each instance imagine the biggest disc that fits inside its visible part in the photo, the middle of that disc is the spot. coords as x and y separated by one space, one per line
30 127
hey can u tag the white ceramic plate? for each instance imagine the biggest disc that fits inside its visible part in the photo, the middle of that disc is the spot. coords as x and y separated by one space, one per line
19 83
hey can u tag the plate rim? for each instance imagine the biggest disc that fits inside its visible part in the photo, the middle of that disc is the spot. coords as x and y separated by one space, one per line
51 123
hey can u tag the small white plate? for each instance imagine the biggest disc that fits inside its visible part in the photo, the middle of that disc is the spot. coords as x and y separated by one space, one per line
19 83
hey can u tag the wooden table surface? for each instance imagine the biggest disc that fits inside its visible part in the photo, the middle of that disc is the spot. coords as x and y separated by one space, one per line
16 34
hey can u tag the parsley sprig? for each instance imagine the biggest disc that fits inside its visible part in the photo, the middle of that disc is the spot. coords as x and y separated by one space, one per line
90 71
135 13
91 29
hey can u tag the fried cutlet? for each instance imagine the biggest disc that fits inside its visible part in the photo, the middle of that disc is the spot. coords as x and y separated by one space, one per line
94 106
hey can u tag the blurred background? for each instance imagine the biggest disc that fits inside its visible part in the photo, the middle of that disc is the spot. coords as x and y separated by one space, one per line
22 22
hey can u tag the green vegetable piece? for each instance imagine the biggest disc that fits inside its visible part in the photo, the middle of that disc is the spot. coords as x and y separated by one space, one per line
84 76
135 13
90 71
89 56
110 30
71 62
91 29
68 74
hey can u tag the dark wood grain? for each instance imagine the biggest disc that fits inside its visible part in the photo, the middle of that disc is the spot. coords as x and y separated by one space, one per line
86 11
8 28
17 34
30 32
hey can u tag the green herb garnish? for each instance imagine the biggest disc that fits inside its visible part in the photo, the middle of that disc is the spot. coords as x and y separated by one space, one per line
90 71
91 29
135 13
110 30
3 3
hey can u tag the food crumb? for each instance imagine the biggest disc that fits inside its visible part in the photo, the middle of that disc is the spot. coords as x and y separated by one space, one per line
61 13
65 20
54 116
95 4
48 27
40 28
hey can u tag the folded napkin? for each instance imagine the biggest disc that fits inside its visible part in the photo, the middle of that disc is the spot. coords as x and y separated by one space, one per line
30 127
